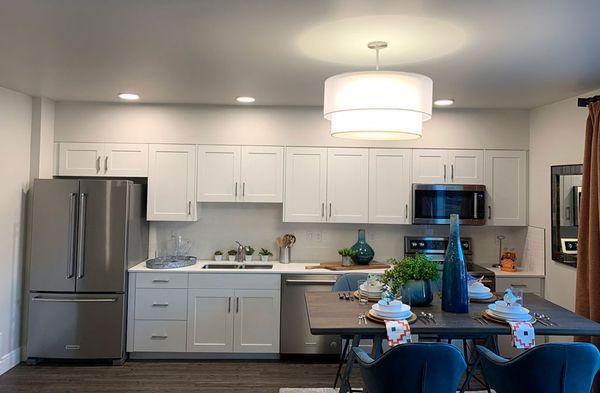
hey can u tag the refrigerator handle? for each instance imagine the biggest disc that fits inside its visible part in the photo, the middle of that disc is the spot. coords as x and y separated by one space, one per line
72 235
81 235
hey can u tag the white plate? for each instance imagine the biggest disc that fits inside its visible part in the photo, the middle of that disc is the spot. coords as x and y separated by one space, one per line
377 308
482 290
371 289
480 296
395 306
395 315
522 311
518 318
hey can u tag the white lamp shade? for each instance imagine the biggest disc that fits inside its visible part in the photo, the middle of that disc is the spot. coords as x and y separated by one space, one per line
378 105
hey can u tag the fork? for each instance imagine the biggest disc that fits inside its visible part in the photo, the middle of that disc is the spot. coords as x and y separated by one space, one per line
479 318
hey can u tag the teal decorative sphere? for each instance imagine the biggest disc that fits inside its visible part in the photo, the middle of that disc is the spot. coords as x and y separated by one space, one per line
364 252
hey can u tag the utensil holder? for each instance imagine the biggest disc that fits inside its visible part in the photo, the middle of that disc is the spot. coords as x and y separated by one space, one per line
285 254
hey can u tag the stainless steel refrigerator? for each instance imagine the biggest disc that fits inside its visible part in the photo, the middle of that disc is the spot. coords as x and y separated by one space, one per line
84 235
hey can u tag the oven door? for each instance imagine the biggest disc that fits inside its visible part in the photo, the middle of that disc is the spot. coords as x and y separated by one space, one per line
434 203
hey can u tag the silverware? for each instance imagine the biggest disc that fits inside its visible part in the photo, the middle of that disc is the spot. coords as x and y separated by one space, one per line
346 296
479 318
476 318
544 319
423 320
550 321
362 318
341 296
425 317
430 315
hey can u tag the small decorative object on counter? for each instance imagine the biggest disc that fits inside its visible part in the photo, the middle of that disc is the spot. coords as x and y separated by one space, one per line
218 255
363 253
455 293
508 260
231 255
412 275
347 255
265 254
249 252
285 244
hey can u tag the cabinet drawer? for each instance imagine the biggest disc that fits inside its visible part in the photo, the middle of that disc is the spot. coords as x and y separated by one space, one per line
164 304
161 280
529 284
233 280
159 336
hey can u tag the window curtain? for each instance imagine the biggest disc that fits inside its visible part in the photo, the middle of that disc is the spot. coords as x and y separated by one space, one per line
587 301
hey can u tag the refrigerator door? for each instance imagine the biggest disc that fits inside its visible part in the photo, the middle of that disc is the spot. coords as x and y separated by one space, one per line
53 236
75 326
102 235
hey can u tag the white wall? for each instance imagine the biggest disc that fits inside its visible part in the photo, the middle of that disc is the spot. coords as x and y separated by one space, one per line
15 134
556 137
42 138
106 122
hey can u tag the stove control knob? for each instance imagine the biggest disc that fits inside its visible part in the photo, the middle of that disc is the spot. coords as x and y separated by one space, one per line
413 244
421 244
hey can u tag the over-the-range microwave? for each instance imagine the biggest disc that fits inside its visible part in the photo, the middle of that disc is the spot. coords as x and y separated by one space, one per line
433 203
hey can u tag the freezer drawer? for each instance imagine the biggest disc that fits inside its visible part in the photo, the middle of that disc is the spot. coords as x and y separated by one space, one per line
75 326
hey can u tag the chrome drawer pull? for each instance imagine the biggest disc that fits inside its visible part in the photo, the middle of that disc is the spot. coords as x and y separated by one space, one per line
160 280
159 337
160 304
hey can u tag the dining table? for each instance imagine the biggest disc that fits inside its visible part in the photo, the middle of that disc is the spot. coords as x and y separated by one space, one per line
332 314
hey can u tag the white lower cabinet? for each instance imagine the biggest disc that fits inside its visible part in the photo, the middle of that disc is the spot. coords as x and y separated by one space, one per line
159 336
210 320
256 322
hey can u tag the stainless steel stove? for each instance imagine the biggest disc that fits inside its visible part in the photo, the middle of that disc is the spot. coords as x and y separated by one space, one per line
435 249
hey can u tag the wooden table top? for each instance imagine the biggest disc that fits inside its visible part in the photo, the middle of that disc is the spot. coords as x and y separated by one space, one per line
328 314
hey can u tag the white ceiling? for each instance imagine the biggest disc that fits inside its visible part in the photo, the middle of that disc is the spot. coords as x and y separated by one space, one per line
516 54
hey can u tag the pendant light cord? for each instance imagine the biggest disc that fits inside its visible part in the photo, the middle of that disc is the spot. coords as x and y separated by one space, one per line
377 46
376 59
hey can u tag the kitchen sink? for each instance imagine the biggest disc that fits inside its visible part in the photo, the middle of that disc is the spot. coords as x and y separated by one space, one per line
236 266
257 267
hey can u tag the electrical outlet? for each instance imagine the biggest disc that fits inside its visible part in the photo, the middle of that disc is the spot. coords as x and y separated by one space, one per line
314 236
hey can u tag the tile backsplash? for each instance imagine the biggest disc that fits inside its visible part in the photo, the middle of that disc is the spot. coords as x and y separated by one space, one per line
220 224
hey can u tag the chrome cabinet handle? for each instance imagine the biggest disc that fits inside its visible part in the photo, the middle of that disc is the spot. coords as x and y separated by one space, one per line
72 235
236 189
159 337
330 209
73 300
160 304
106 164
244 189
568 213
519 285
489 212
237 304
444 172
160 280
98 164
322 209
475 207
452 172
317 282
189 208
229 305
81 236
406 211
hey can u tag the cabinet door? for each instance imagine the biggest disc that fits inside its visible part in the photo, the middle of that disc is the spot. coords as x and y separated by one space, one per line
172 183
80 159
389 186
348 185
210 320
218 173
126 160
262 174
466 166
430 166
256 328
305 184
506 185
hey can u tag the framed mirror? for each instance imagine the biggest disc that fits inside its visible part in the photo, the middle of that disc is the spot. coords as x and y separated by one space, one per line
565 186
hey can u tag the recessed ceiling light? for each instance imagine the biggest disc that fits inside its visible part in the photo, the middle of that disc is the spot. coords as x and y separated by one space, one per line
129 96
443 102
245 100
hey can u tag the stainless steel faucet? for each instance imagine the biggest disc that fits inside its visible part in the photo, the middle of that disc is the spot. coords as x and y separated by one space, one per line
239 257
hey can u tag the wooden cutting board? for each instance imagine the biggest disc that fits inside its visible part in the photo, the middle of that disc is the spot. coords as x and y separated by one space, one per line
335 266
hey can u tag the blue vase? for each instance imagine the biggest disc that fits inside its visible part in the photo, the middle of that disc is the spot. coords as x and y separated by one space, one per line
417 292
455 296
364 252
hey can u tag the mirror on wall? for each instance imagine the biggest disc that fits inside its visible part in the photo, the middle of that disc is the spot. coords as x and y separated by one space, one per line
565 186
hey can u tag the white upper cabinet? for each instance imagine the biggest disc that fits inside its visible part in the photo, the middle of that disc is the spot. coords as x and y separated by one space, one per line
100 159
126 160
466 166
389 186
218 173
305 184
80 159
430 166
433 166
262 174
348 185
506 185
172 183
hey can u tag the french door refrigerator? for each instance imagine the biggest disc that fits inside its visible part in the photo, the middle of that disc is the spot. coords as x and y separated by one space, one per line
84 235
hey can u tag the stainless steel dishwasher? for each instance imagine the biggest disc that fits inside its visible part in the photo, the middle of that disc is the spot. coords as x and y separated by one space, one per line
295 330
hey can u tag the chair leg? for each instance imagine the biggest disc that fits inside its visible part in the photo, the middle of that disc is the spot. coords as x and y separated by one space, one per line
342 361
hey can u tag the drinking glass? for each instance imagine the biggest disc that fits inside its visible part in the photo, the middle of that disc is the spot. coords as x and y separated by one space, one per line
363 297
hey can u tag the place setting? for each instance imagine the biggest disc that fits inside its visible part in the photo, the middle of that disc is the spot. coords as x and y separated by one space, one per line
479 293
509 309
370 290
390 308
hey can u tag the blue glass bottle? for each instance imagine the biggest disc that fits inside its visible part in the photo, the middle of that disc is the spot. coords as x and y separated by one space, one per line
455 295
364 252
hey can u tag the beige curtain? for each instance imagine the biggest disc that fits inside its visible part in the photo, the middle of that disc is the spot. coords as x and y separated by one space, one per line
587 301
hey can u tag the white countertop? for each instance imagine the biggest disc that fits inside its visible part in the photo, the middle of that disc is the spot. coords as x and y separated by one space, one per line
520 273
278 268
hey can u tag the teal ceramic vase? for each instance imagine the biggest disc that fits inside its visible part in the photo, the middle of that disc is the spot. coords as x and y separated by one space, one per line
455 296
418 293
364 252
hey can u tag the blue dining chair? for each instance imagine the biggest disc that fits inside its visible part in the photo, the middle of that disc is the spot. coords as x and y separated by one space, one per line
346 283
548 368
413 368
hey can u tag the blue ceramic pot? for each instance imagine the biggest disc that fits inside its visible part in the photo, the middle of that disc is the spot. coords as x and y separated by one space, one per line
364 252
419 293
455 296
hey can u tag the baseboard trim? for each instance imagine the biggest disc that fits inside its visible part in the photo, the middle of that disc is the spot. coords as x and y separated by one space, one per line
201 355
10 360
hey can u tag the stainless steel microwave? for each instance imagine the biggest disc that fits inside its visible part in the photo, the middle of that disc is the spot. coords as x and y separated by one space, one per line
433 203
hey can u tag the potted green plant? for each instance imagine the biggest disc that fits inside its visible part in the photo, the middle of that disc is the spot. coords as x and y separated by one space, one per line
265 254
411 278
218 255
347 254
231 255
249 251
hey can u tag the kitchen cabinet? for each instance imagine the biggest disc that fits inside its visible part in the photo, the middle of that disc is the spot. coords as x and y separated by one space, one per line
348 185
240 174
210 320
506 186
529 284
103 159
436 166
256 322
389 186
305 184
172 183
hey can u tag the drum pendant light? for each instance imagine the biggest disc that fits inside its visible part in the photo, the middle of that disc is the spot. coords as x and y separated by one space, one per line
378 105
